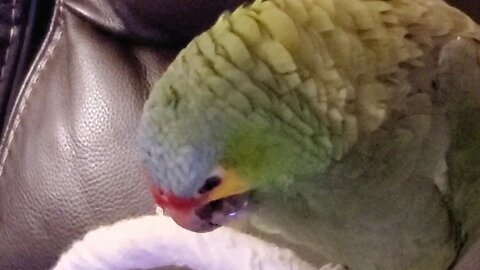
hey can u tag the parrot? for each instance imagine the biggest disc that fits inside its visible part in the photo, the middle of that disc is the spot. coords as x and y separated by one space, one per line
349 128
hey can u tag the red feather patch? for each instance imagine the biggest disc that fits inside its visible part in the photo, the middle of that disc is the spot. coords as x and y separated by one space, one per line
169 200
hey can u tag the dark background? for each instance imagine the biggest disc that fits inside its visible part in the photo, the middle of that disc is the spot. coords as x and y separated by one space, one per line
471 7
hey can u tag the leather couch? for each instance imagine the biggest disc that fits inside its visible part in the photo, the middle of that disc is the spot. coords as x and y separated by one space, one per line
73 77
67 157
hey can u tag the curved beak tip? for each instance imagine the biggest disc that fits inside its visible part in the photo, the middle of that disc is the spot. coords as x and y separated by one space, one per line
194 223
211 215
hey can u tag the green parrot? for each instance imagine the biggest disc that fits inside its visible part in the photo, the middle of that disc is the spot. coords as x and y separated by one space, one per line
349 128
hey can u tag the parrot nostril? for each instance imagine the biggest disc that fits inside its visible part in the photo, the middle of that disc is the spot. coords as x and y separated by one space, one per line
210 184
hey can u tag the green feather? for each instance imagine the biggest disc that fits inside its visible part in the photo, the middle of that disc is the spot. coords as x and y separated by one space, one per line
464 171
267 157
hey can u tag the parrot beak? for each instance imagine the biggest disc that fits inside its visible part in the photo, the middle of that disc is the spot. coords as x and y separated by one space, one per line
219 207
212 215
231 184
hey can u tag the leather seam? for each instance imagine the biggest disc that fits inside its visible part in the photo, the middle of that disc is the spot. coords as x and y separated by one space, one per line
10 38
57 33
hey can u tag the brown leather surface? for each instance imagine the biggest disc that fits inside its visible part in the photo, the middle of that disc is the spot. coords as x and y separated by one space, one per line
170 23
15 17
67 159
10 29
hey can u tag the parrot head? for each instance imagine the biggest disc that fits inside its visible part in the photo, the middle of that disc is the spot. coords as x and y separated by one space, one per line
212 139
206 164
208 181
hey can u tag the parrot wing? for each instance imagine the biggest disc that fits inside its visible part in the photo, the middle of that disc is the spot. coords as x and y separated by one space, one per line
459 82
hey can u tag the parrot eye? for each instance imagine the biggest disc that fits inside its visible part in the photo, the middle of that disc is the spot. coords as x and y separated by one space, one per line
211 183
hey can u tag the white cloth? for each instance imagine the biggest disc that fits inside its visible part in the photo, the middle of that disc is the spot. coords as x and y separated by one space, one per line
155 241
